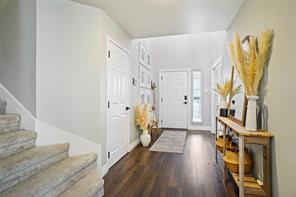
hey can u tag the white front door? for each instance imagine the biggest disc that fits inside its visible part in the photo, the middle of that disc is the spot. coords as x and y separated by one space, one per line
118 103
174 99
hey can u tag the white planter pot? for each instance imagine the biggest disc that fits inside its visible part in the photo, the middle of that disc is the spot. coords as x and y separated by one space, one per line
251 119
145 138
223 103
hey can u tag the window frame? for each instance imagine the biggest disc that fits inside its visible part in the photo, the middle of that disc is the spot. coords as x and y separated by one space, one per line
201 96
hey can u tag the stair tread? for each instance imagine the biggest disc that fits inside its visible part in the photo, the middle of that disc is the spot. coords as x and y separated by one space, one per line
7 118
87 186
46 180
15 137
20 161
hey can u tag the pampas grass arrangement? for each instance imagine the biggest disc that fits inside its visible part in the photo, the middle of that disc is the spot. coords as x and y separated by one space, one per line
224 89
235 91
250 65
142 116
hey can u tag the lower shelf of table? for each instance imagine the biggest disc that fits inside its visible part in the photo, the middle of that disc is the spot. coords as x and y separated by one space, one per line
250 184
249 181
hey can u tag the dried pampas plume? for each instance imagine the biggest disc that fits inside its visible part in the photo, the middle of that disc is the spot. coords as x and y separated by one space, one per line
224 89
250 65
142 116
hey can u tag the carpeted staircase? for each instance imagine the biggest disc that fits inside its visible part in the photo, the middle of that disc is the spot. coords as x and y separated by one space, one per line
27 170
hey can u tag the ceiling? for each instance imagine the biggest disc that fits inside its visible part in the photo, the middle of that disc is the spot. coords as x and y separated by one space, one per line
150 18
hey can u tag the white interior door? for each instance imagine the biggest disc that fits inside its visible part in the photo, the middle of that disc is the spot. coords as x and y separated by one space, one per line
174 99
118 103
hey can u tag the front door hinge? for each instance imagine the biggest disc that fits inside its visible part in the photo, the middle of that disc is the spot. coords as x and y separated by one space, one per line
108 104
161 77
161 100
108 155
161 121
109 54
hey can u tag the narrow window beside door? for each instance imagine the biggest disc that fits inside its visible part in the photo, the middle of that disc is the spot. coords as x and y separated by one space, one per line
196 97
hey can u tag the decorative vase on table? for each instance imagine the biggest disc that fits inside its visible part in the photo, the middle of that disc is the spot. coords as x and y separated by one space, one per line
223 106
251 119
145 138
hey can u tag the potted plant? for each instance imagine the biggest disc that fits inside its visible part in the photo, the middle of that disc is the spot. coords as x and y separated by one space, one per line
224 91
250 67
142 121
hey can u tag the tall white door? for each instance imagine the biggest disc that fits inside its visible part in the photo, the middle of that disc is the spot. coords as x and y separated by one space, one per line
118 103
174 99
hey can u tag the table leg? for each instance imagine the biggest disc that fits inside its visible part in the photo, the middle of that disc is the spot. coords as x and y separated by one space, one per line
241 165
224 152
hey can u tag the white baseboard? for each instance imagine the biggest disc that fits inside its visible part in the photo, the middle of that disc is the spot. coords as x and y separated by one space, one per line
15 106
199 128
133 145
48 134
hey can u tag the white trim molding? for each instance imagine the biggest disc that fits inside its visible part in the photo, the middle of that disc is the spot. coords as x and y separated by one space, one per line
133 144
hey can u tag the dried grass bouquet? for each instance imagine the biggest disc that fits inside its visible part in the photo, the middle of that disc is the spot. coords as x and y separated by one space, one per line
142 116
250 65
224 89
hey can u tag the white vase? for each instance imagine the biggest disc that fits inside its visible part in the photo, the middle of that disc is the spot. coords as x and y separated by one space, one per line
145 138
251 119
223 103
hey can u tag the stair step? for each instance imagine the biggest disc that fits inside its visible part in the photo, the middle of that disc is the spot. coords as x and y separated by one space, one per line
89 186
54 180
17 167
9 122
2 106
16 141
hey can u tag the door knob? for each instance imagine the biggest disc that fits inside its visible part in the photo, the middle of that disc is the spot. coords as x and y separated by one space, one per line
185 102
127 108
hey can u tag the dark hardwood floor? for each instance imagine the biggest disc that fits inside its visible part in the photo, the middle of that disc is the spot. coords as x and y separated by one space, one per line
145 173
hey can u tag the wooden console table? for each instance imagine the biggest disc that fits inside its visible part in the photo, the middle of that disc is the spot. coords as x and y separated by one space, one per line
247 184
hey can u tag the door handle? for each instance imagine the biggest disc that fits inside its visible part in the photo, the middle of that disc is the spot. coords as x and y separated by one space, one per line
127 108
185 103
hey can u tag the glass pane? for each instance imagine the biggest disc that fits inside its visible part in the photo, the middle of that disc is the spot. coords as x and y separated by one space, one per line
196 97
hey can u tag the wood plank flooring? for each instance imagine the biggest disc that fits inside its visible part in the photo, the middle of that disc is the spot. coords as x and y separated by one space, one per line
145 173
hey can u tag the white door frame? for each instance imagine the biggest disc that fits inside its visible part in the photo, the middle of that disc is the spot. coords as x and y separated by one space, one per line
107 98
217 65
188 71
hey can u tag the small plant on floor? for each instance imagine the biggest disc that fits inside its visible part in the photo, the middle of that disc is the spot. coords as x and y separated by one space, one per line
142 121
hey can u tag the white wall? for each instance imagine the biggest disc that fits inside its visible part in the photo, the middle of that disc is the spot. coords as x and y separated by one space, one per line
193 51
277 95
71 66
134 91
17 50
